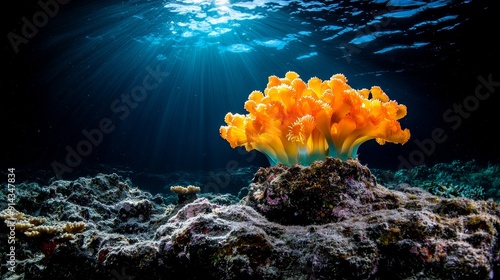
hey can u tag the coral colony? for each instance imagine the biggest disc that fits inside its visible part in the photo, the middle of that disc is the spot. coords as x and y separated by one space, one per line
297 122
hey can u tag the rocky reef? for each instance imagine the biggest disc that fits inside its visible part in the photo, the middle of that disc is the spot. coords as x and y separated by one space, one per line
327 191
454 179
330 220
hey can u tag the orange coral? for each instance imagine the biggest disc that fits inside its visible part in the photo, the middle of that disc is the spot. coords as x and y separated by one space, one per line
294 122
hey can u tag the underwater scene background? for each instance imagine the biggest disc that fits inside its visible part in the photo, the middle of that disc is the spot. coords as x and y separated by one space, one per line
100 97
84 63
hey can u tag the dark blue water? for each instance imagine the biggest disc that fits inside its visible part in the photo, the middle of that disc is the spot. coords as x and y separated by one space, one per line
146 84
